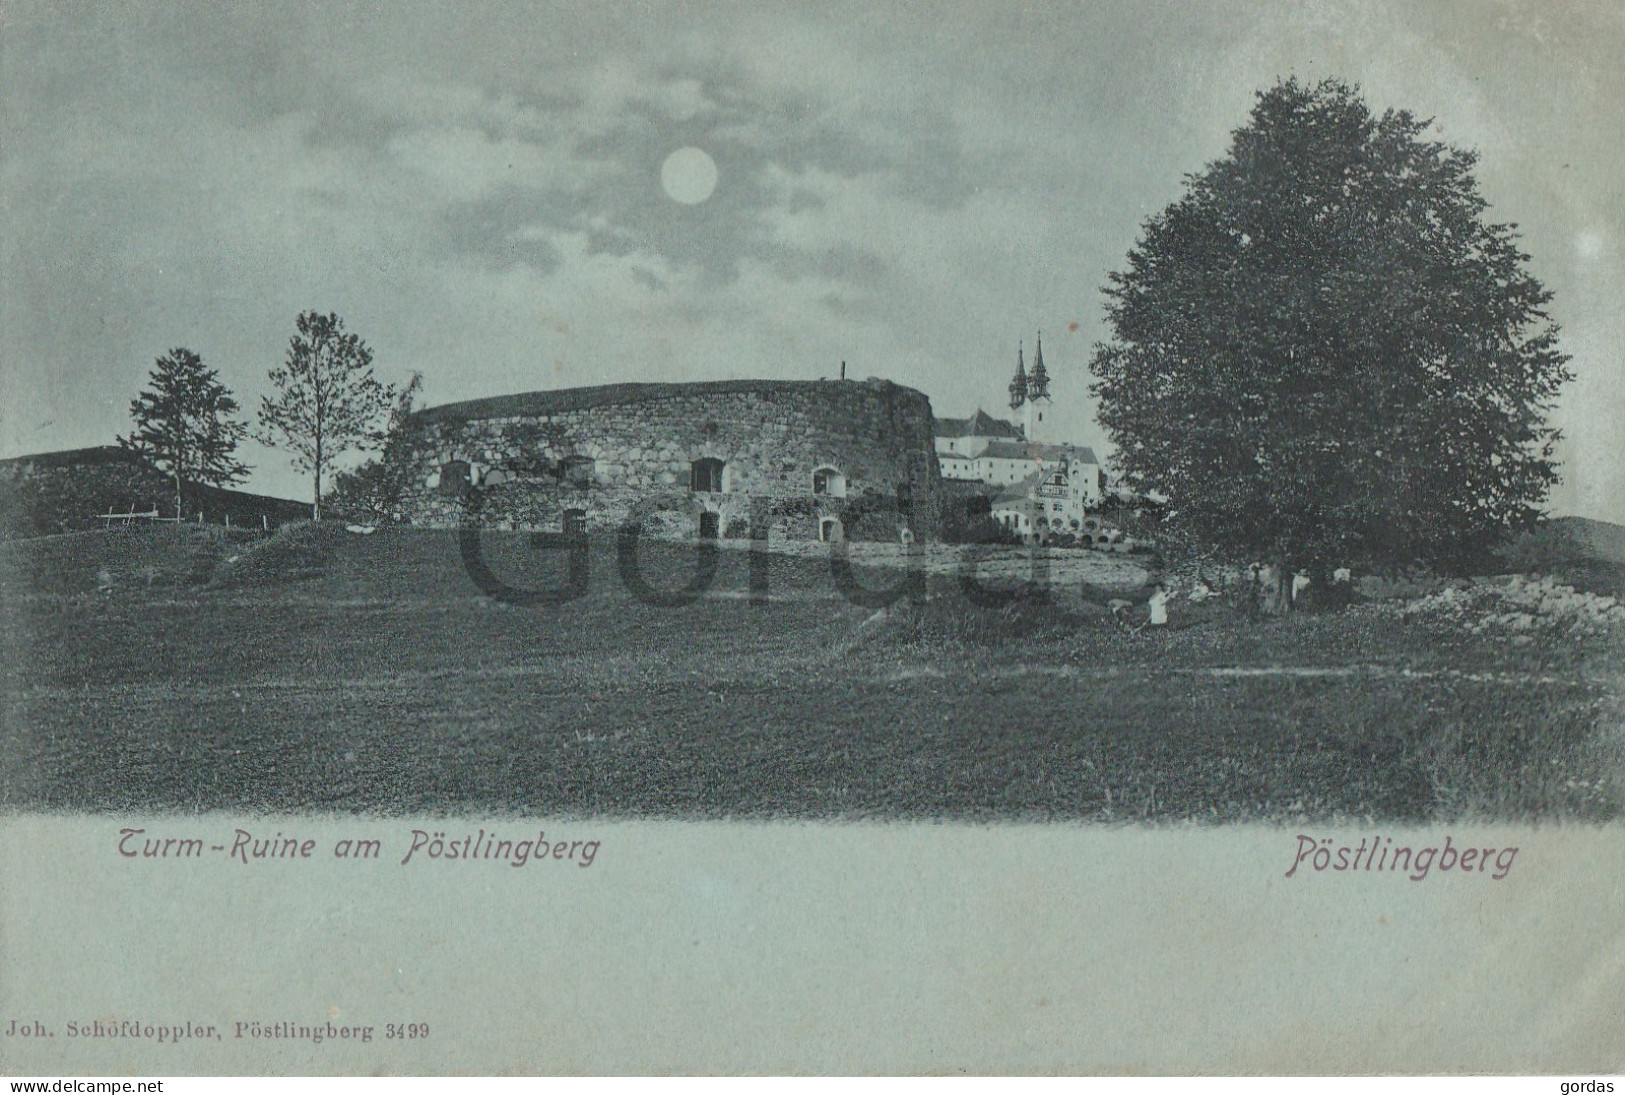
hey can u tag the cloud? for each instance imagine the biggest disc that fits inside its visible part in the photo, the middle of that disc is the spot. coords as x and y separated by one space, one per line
492 173
477 190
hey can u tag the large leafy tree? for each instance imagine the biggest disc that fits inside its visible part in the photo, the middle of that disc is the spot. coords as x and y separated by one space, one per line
327 399
1323 352
185 425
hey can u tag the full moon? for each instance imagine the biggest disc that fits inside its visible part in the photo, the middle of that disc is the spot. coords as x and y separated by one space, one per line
689 175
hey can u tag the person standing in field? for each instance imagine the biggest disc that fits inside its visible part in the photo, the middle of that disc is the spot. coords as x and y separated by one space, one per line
1159 606
1253 594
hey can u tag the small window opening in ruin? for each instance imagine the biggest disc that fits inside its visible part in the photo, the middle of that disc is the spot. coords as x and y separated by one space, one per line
454 477
829 481
709 525
705 475
575 522
580 472
829 530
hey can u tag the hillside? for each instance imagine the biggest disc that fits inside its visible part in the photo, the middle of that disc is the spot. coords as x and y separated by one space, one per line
1602 539
1584 553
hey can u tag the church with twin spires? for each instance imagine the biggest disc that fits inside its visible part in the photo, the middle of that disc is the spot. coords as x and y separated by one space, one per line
1039 487
1029 393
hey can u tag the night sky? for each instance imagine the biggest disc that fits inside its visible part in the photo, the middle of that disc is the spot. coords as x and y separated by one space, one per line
487 193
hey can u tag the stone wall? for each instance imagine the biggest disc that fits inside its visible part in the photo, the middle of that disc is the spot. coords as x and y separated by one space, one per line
613 453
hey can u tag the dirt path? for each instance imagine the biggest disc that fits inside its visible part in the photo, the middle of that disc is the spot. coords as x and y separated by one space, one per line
564 669
1337 672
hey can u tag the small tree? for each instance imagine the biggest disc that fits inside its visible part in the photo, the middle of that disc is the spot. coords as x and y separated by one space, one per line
374 489
328 401
1323 354
184 425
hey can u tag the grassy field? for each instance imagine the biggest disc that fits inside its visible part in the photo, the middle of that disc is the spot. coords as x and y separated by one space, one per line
166 669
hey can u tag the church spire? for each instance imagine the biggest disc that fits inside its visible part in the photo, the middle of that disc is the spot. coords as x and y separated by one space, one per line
1038 385
1018 384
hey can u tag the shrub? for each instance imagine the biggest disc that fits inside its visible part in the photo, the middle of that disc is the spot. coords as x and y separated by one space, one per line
981 529
1544 550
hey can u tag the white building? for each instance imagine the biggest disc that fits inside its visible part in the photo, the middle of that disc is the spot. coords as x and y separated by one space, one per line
1045 487
960 442
1006 463
1055 497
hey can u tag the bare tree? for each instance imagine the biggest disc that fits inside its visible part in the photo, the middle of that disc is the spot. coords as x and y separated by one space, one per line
328 401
